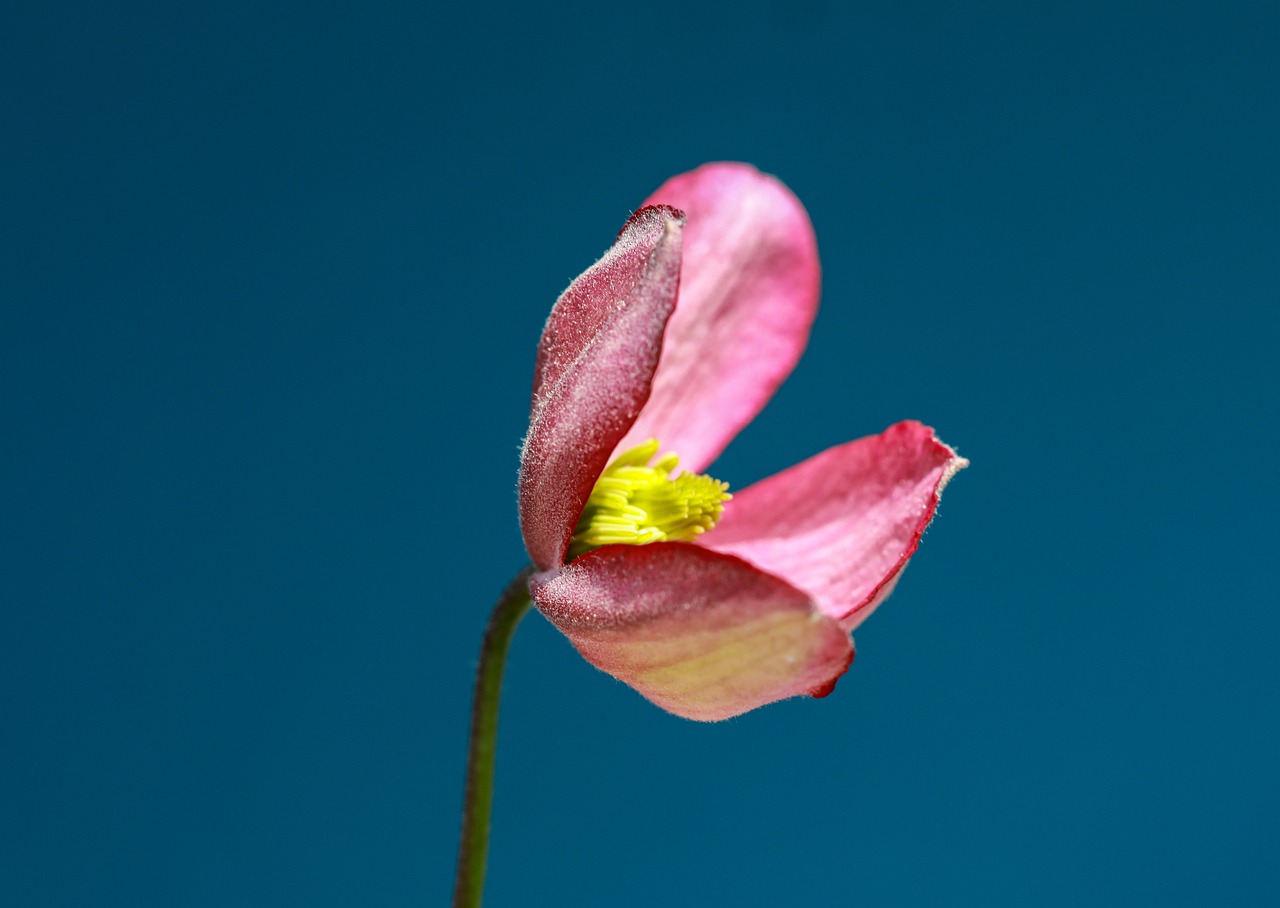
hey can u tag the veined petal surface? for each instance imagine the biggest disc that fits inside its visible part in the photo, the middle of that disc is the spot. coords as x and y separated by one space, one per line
700 634
841 525
594 370
748 295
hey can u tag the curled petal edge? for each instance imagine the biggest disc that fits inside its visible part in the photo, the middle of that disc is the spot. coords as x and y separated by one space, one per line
842 525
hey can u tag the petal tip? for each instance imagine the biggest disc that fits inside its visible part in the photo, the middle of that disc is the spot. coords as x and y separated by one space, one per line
666 218
955 463
826 688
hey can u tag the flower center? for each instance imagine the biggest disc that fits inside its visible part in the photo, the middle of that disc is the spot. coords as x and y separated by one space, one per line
634 503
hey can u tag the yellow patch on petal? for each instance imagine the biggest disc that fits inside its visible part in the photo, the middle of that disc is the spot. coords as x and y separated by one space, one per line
741 660
634 503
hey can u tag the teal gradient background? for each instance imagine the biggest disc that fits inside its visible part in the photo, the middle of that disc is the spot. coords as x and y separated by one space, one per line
272 280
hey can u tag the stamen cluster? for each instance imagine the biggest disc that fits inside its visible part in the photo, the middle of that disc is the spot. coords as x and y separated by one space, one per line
634 503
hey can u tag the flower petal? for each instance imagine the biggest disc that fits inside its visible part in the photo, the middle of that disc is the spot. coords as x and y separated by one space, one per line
841 525
703 635
748 294
594 369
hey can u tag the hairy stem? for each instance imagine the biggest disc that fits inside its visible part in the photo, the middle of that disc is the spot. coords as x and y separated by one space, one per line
477 801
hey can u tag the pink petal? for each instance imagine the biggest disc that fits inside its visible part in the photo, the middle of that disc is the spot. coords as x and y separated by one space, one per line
594 369
748 294
703 635
841 526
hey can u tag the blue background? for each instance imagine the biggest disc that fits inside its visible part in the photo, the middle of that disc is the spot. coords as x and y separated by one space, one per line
272 281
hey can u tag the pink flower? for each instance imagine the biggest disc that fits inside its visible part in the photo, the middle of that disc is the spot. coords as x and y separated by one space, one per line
681 333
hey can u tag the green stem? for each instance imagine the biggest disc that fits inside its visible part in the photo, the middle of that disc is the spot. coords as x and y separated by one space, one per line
473 845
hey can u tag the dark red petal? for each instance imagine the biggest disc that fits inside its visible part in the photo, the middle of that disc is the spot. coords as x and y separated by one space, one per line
593 374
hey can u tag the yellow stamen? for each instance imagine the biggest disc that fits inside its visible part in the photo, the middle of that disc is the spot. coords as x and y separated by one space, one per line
634 503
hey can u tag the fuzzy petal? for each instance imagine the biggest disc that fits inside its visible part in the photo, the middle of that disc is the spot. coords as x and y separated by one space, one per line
748 295
702 635
594 370
841 525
